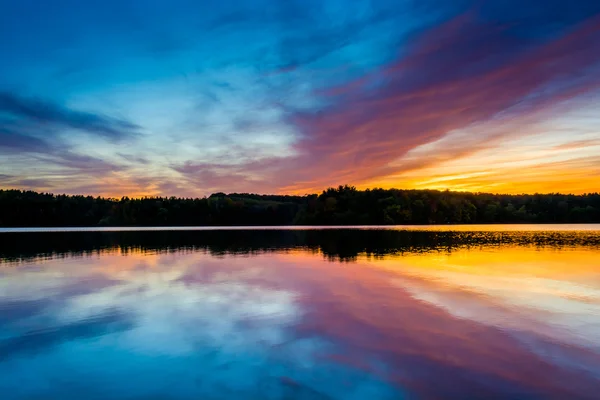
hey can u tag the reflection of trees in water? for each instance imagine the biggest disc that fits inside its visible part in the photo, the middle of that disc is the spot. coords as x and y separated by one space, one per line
335 244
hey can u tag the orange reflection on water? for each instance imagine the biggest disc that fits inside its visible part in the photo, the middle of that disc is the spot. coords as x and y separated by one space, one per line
504 269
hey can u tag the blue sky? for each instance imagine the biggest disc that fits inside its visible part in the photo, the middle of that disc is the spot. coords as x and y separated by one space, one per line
191 97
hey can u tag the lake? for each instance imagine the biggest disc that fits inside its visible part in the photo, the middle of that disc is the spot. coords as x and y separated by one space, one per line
305 313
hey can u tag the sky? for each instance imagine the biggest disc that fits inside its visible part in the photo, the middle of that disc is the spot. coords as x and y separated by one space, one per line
187 98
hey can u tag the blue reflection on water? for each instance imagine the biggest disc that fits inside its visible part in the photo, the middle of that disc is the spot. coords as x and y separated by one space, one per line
188 324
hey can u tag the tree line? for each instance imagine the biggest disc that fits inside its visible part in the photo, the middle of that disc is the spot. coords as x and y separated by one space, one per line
344 205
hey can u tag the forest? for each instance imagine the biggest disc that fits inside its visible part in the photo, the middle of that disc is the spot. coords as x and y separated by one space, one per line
344 205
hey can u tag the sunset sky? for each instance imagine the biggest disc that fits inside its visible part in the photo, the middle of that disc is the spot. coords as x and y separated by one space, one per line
187 97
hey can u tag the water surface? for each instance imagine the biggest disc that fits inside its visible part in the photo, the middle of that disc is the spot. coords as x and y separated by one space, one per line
300 314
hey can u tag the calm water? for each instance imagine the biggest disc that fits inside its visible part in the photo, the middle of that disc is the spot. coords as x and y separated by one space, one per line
502 312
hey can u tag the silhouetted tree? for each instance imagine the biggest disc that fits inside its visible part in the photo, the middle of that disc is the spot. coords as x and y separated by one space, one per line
343 205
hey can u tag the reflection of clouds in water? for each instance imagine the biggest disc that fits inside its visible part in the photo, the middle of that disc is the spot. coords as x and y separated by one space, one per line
562 318
370 310
32 342
32 300
558 320
540 331
295 325
12 311
175 317
173 312
205 319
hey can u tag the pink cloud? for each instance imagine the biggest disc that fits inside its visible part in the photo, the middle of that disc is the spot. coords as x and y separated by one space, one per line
455 76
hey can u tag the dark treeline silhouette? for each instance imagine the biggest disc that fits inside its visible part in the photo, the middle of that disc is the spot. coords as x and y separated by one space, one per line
335 206
335 244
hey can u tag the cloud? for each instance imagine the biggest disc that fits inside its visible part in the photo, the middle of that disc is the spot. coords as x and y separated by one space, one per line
209 177
28 182
478 72
82 162
302 48
134 159
49 148
108 183
41 150
579 144
33 130
458 74
13 141
45 112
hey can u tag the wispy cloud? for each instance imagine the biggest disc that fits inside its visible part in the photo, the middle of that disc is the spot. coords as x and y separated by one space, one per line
455 75
19 108
51 151
579 144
